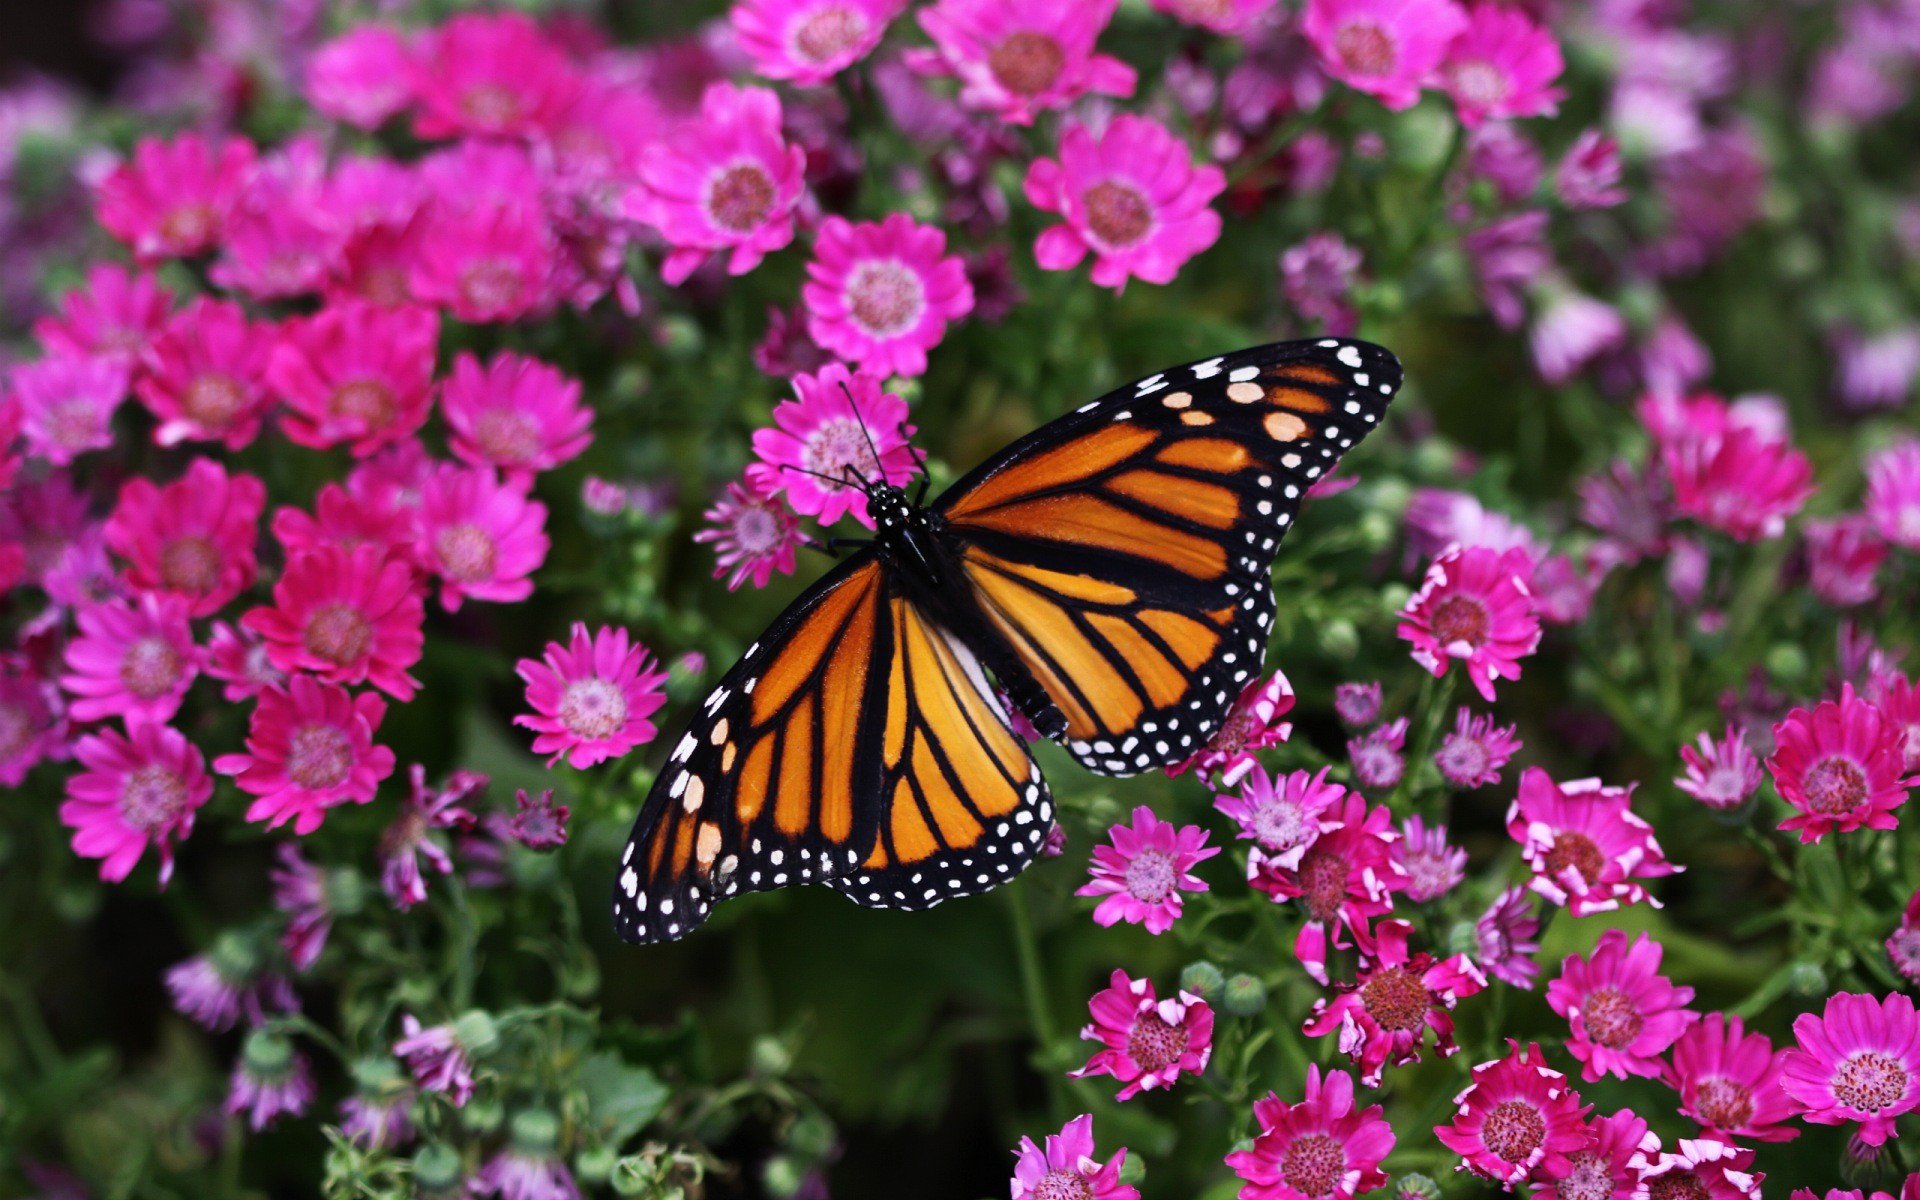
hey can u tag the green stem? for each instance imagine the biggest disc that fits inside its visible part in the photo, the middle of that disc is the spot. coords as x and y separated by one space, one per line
1032 983
1429 711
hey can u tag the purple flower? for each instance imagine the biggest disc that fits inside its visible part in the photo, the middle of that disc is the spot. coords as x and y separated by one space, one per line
376 1117
411 835
1358 704
1318 275
530 1167
271 1080
1877 371
1508 255
1844 555
1720 774
1432 866
214 990
1144 871
540 824
440 1057
1505 158
1570 330
300 891
1589 172
1377 761
1473 754
1505 938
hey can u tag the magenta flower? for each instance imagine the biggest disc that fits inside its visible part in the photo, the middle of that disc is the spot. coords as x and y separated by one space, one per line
1144 871
1148 1042
1383 1016
482 538
1432 866
530 1167
517 414
1283 815
1318 276
216 989
1474 754
1619 1151
1503 156
1844 557
1586 849
356 373
881 295
1720 774
1345 878
1893 492
1729 1081
1841 765
1508 256
362 77
1858 1061
439 1058
174 197
205 376
1133 197
347 616
300 891
132 660
411 835
808 42
485 261
591 698
1378 763
824 445
376 1116
1502 65
539 823
1898 699
1623 1012
1066 1167
1017 60
1742 481
1704 1168
1474 607
1252 724
310 747
346 520
1231 18
66 404
1505 938
138 789
1589 172
753 534
271 1080
1386 48
284 239
32 726
1903 944
1358 704
490 75
115 316
1516 1118
1323 1148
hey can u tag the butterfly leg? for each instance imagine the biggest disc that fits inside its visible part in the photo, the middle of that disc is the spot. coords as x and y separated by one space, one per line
835 545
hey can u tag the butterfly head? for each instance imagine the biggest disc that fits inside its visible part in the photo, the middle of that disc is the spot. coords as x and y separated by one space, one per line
889 507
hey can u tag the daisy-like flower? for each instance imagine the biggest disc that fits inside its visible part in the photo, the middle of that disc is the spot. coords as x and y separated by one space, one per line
1743 482
205 376
1017 60
115 317
174 197
1857 1061
1505 938
517 414
66 404
1323 1148
1898 699
592 697
1144 871
132 660
411 835
1619 1150
485 261
1729 1081
1903 944
882 294
310 747
1502 65
1722 773
357 373
1318 275
1357 704
1841 765
375 1116
1703 1169
1844 556
1433 868
489 75
1252 724
362 77
1517 1117
345 520
1474 753
239 661
1148 1042
1589 173
1893 492
1439 519
482 538
192 538
300 891
32 727
1474 607
1132 196
271 1080
346 616
1570 330
753 534
1378 763
724 181
1065 1167
839 423
1383 1017
215 990
1623 1012
530 1166
539 823
138 789
1230 18
1345 878
1283 815
808 42
1386 48
440 1057
1587 850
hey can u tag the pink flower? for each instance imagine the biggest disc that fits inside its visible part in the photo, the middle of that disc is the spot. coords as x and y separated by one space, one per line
1432 867
1720 774
486 261
438 1058
1318 276
1501 155
205 377
530 1166
1729 1081
1876 371
310 747
361 77
1066 1167
810 41
480 537
1844 557
1589 172
1016 60
192 538
215 990
1570 330
356 373
1474 607
1439 519
1283 815
411 835
1898 699
1252 724
1378 763
1502 65
1742 481
271 1080
724 181
66 404
1516 1118
1585 847
1841 765
1903 944
284 238
1148 1042
300 891
1383 1017
1144 871
539 823
345 520
1132 196
1345 878
1358 704
882 295
1619 1151
1623 1012
1322 1148
1706 1169
1475 752
1232 18
347 616
518 414
491 75
753 535
132 660
174 197
1893 492
1508 256
591 698
115 316
32 726
1385 48
1504 938
830 436
138 789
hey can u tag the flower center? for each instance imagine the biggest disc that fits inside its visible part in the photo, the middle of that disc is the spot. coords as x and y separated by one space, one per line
1578 851
1478 82
1723 1103
1063 1185
338 633
491 285
213 400
1278 823
152 798
1835 786
1586 1179
1313 1164
490 105
1027 63
1365 48
1464 758
886 298
1611 1018
1150 876
756 530
740 198
466 552
1429 875
151 668
319 757
1154 1044
187 227
1870 1081
1514 1130
1677 1185
1117 213
593 708
1397 999
73 422
1460 619
1903 948
828 32
506 436
837 445
1377 765
1323 884
367 402
1725 787
190 564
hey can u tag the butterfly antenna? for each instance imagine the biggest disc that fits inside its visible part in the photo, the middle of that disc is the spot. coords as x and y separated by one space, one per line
919 455
865 433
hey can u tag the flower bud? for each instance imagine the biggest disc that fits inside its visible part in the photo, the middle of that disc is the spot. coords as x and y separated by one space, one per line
1244 996
1133 1170
1415 1186
535 1132
595 1164
436 1170
1203 979
1807 978
267 1055
782 1176
476 1032
769 1056
482 1116
812 1136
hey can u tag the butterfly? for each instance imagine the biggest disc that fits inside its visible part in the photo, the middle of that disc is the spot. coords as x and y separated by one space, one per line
1109 575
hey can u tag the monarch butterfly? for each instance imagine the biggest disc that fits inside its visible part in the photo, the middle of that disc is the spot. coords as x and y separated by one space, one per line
1110 571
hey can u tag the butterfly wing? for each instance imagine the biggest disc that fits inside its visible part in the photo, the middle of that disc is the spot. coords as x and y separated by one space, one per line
1124 551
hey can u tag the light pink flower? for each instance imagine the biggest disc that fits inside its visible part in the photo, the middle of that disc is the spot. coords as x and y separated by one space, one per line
1231 18
1383 1016
1318 275
439 1060
1570 330
1729 1081
411 835
346 615
1377 756
271 1080
1282 814
480 537
1504 938
592 697
356 373
753 535
193 538
1893 492
1358 704
1587 850
1385 48
172 199
809 41
205 376
1016 60
1508 256
1474 607
1517 1117
491 75
66 404
239 661
1721 773
1148 1042
1066 1167
823 447
1433 866
1502 65
516 413
1623 1012
1142 874
1252 724
362 77
1323 1148
1476 751
1903 944
1841 765
882 294
134 660
115 316
139 789
309 748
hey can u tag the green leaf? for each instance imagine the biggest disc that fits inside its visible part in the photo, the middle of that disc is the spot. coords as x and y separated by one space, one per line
621 1097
